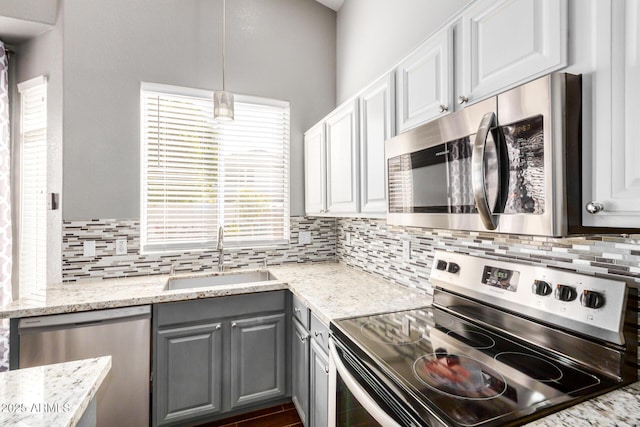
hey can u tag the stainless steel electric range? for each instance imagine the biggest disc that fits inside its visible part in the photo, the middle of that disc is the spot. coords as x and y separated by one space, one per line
503 344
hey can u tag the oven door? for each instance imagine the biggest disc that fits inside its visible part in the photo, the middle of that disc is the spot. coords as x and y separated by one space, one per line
357 397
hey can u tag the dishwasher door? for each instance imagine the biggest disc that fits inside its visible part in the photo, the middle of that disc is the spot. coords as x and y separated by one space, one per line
123 333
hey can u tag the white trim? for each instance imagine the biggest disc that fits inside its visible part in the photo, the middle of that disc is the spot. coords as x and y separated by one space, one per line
31 83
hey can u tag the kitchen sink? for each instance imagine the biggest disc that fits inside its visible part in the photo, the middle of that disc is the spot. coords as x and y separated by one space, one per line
218 280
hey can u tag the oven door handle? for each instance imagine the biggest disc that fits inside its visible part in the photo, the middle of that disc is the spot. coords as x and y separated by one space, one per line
478 181
359 392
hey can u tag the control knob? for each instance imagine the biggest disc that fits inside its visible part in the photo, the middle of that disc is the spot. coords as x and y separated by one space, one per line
453 267
566 293
441 265
592 299
540 287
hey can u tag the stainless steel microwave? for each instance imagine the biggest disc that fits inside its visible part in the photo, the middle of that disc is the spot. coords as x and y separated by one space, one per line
509 164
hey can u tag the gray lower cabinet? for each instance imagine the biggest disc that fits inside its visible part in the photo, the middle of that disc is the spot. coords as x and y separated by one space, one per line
310 366
319 386
189 368
219 355
300 370
257 359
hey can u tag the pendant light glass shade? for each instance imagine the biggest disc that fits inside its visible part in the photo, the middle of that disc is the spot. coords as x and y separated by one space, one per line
223 105
223 101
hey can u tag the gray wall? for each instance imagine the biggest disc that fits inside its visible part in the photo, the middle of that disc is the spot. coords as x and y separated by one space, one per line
282 49
44 11
373 35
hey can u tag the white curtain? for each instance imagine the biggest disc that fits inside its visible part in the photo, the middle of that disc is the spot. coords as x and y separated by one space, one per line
5 204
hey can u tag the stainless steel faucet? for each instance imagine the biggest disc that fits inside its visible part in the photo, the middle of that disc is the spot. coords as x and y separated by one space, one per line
220 248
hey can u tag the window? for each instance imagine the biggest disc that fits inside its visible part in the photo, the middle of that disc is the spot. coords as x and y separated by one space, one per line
198 175
32 263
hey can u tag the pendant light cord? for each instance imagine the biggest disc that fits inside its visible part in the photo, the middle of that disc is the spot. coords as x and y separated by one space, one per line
224 38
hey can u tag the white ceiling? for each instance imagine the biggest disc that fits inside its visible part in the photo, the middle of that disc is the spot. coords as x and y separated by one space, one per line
15 31
332 4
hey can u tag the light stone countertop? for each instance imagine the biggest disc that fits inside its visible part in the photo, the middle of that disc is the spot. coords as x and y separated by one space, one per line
334 291
330 290
619 408
51 395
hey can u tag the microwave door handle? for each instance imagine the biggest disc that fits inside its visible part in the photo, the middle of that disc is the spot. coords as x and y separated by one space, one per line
359 392
477 171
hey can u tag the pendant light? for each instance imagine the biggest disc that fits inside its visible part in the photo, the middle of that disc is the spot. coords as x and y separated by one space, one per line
223 101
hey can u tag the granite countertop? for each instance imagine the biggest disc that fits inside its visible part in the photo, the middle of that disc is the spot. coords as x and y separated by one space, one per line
619 408
330 290
51 395
334 291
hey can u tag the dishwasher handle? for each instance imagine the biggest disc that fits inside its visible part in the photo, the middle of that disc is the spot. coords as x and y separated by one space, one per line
28 325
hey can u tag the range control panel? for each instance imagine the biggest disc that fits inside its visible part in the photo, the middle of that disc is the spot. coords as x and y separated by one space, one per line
590 305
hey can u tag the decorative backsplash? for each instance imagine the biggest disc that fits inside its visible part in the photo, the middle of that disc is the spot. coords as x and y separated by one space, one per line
376 247
106 264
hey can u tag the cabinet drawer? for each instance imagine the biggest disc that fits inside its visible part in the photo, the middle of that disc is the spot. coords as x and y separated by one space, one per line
300 312
319 332
218 308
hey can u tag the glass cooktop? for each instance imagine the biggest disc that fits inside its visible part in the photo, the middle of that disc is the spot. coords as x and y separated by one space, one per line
463 373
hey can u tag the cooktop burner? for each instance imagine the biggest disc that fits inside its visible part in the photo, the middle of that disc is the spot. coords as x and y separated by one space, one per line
533 366
459 376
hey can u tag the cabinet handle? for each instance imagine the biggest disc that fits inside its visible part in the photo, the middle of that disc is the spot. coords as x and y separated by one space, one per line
234 324
462 100
218 327
326 369
296 310
443 108
317 333
304 338
594 207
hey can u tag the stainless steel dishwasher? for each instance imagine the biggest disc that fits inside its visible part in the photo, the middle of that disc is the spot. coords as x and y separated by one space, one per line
123 333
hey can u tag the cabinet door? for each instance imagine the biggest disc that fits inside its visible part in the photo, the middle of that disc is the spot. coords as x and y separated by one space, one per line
376 126
342 159
425 82
319 387
257 359
314 170
188 373
611 174
300 370
507 42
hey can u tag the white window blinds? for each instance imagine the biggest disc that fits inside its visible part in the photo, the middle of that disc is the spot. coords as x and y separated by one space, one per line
198 175
32 263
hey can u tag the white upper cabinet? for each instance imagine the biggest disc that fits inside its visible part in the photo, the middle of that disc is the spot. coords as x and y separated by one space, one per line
611 176
425 81
314 170
376 126
342 159
507 42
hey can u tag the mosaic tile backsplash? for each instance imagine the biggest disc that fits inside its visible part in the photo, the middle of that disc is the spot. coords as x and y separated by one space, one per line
376 247
106 264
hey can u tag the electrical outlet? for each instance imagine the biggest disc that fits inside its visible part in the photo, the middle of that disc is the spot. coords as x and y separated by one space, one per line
304 237
121 247
348 238
406 249
89 248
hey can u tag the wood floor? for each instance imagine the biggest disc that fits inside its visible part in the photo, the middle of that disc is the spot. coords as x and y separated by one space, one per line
277 416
